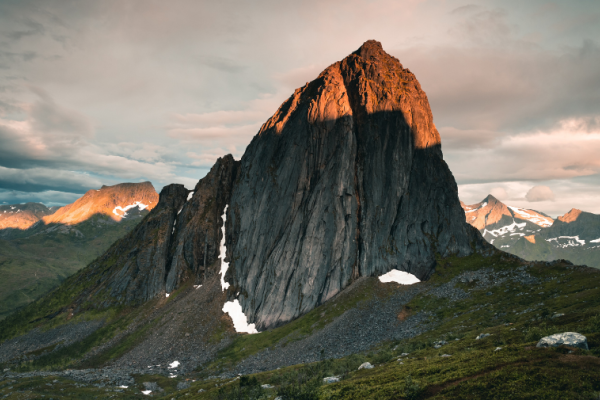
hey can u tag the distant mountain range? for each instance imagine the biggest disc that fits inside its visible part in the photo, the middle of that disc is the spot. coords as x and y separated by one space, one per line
41 246
534 235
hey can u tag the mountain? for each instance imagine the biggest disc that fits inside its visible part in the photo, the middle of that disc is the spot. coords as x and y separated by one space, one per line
345 180
40 250
112 201
22 216
533 235
574 236
342 187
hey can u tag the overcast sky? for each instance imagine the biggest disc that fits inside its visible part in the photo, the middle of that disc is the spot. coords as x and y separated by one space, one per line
101 92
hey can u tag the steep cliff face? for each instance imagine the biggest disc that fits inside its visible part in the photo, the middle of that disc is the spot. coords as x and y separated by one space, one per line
345 180
178 240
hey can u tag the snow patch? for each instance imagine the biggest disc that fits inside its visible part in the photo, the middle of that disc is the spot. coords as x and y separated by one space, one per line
223 252
478 208
505 229
534 218
401 277
197 286
190 194
174 364
167 294
123 387
595 241
571 241
146 392
137 204
240 322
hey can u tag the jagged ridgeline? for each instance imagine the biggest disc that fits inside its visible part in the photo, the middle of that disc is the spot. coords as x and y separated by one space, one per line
347 179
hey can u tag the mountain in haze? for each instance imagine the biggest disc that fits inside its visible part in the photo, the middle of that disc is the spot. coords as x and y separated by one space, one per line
40 246
22 216
533 235
346 180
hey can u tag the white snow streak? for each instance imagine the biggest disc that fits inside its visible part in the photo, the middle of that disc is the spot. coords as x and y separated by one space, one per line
197 286
505 229
222 253
190 196
572 241
124 209
167 294
240 322
146 392
478 208
174 364
595 241
536 219
401 277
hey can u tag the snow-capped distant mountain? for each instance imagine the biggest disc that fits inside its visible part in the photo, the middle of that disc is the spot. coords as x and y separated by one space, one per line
116 201
22 216
503 225
533 235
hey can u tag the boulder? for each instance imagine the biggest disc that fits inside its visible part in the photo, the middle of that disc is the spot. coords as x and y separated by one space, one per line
366 365
571 339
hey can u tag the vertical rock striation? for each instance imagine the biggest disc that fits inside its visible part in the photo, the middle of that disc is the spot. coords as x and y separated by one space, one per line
347 179
177 241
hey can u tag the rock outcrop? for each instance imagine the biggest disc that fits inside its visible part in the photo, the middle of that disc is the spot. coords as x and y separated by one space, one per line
346 180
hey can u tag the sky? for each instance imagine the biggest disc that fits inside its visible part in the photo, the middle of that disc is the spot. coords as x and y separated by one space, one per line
101 92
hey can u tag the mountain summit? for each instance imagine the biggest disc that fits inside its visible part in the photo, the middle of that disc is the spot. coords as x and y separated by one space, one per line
113 201
345 180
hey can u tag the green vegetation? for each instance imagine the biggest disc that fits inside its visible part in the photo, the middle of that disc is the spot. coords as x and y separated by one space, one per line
32 265
505 364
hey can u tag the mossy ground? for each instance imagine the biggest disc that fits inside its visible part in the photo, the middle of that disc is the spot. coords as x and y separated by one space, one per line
475 368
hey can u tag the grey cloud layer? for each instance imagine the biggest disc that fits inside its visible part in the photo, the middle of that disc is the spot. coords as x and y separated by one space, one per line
130 90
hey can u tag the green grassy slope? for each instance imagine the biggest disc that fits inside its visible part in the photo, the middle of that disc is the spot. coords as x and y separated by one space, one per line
543 251
505 364
34 262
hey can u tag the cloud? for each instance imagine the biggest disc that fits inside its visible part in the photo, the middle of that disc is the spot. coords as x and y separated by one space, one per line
461 139
39 179
539 193
568 150
499 193
49 197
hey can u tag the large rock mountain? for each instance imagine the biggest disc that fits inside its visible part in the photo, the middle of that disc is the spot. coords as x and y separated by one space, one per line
347 179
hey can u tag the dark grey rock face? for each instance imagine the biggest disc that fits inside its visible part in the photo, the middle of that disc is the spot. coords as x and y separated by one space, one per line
178 240
198 230
345 180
